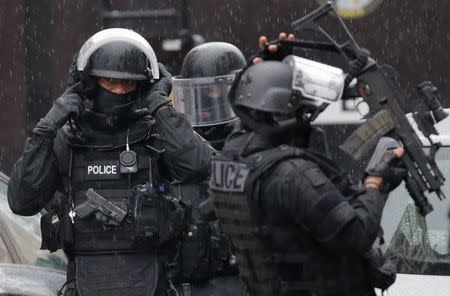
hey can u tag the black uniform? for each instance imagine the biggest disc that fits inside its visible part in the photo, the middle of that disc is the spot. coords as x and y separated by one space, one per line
293 230
296 223
60 165
207 264
44 166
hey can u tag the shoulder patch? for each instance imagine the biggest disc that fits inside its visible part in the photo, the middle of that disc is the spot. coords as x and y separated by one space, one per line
228 176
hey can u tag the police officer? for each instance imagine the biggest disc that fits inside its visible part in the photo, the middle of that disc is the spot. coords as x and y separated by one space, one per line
103 154
201 92
297 225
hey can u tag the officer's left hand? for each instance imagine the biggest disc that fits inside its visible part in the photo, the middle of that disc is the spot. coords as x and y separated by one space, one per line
158 96
388 173
273 51
74 74
356 65
164 83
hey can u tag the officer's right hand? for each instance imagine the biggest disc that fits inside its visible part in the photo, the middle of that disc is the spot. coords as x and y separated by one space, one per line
68 104
272 51
388 173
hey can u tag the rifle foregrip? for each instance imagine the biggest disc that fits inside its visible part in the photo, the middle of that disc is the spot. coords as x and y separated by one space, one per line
419 198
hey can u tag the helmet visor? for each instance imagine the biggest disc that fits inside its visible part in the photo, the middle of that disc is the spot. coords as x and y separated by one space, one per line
204 100
319 82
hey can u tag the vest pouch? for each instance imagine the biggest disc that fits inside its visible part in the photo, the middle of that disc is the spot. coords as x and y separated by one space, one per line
51 226
221 252
195 253
146 216
130 274
158 218
56 228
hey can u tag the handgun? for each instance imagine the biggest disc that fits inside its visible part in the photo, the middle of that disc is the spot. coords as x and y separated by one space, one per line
105 211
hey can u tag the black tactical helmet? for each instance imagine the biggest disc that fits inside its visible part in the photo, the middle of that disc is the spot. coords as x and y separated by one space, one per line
272 97
201 91
119 60
265 87
118 53
263 98
212 59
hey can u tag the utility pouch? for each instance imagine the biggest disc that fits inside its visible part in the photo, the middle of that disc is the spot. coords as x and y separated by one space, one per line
51 225
381 270
195 253
158 217
220 248
56 227
67 226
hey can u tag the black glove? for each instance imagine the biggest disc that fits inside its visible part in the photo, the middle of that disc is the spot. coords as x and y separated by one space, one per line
381 270
283 51
164 83
68 104
356 65
391 169
159 93
74 74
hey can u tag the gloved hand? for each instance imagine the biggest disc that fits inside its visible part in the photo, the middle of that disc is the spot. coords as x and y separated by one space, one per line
74 74
68 104
273 51
159 94
356 65
390 169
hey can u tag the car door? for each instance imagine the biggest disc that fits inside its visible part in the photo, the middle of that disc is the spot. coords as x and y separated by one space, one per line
9 252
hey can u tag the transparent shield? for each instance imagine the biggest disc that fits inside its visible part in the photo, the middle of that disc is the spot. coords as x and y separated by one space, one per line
204 100
117 34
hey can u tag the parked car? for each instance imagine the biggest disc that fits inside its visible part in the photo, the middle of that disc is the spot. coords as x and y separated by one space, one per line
419 244
24 268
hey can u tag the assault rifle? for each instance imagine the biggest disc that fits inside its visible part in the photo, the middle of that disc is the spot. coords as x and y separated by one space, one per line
105 211
378 86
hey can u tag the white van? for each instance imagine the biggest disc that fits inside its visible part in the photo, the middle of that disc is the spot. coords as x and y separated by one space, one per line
421 245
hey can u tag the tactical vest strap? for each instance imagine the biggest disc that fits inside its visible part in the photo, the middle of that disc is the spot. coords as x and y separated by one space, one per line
290 257
262 163
261 265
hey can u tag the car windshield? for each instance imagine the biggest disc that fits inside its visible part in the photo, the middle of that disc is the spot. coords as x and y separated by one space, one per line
25 234
419 245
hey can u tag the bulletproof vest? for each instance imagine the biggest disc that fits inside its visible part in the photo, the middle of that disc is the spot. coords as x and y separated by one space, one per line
96 164
235 187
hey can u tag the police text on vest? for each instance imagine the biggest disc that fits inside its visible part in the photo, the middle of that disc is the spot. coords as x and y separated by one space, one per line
228 176
102 169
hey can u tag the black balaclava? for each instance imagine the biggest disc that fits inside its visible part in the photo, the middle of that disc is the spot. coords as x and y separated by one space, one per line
110 111
108 102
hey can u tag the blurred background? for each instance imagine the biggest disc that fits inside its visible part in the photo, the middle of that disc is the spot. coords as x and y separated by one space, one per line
39 38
